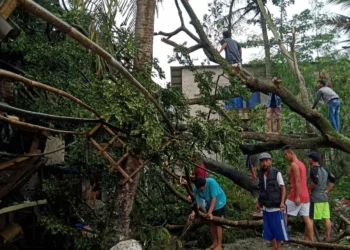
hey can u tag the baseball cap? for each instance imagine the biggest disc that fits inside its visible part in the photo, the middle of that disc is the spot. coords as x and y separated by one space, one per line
314 156
265 156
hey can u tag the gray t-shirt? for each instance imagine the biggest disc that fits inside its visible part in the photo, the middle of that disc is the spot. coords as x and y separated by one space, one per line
232 51
320 176
326 93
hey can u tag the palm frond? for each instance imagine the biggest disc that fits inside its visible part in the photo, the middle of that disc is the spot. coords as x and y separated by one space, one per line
340 21
344 3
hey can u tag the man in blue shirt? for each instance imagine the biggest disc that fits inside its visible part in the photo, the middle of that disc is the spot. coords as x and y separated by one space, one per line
209 190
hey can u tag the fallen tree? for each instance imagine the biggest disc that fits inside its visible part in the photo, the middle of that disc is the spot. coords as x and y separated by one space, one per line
239 178
330 138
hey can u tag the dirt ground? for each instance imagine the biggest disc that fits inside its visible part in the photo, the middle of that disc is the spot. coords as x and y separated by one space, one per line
253 244
258 244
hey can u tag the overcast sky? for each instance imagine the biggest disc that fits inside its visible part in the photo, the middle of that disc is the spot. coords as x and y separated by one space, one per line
168 20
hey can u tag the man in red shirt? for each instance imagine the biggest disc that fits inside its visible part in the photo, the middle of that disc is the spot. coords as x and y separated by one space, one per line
199 170
298 201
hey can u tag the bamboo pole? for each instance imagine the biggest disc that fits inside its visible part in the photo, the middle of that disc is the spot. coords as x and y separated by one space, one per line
113 134
135 172
37 127
28 113
7 7
109 143
92 131
18 160
110 159
44 14
22 206
116 165
34 84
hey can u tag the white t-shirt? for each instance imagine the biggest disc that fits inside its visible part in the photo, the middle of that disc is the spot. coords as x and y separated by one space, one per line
281 183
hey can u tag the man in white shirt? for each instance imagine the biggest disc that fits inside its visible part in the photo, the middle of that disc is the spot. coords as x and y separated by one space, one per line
271 198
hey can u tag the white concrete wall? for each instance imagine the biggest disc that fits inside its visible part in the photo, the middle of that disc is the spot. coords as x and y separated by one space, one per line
53 143
190 89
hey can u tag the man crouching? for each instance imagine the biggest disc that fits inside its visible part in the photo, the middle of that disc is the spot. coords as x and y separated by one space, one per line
209 190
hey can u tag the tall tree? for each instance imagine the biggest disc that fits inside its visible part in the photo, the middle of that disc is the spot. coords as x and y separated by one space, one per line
125 195
144 30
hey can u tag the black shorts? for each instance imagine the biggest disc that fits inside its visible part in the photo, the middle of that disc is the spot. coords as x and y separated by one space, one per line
219 213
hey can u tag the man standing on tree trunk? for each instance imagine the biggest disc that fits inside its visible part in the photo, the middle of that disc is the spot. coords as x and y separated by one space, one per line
332 99
271 198
233 51
273 109
319 189
298 201
209 190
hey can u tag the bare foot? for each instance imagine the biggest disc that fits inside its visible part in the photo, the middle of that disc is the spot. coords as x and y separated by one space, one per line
269 132
277 133
218 248
212 247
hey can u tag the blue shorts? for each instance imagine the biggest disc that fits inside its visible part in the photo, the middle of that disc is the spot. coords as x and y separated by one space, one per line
275 226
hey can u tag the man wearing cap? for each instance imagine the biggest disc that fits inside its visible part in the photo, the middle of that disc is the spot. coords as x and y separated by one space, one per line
209 190
298 200
271 198
322 181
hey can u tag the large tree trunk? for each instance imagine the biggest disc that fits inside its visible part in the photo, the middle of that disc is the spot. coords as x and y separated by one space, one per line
125 195
124 201
144 31
239 178
266 46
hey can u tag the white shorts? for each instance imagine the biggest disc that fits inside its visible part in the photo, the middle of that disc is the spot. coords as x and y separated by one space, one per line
302 210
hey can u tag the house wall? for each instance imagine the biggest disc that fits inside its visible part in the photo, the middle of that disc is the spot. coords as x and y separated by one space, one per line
184 78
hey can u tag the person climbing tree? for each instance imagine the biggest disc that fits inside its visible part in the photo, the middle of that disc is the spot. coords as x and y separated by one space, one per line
298 201
332 99
271 200
209 190
274 108
233 51
322 182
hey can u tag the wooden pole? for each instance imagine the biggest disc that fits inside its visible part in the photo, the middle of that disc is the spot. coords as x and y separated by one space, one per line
37 127
113 134
7 7
110 159
18 160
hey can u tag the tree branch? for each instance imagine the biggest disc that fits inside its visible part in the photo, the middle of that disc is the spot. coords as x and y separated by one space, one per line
175 45
36 9
34 84
231 223
239 178
169 34
320 245
180 13
275 142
